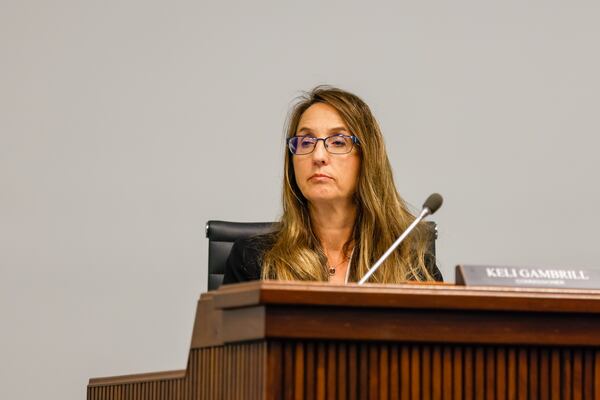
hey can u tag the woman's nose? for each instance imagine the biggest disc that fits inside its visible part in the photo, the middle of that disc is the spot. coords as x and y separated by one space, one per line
320 153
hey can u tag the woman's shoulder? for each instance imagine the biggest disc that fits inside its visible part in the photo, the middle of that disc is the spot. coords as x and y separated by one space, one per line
432 268
255 245
245 259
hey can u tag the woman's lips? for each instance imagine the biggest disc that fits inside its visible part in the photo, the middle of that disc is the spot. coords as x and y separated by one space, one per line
320 177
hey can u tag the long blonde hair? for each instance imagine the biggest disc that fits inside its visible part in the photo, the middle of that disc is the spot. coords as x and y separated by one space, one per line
382 215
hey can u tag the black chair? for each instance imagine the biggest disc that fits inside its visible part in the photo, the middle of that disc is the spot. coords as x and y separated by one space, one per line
222 234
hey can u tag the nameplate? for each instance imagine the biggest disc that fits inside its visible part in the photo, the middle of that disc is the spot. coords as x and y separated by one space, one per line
563 278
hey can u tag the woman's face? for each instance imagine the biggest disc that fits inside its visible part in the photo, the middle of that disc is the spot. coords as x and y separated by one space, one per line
321 176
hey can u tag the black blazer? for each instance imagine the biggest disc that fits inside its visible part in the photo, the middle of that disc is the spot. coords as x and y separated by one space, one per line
245 260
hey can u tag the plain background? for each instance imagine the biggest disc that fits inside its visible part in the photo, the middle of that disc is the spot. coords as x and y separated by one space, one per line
126 125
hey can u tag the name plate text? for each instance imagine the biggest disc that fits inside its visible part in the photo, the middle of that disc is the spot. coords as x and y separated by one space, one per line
564 278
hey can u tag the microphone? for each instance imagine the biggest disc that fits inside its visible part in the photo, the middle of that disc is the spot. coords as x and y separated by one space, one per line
431 205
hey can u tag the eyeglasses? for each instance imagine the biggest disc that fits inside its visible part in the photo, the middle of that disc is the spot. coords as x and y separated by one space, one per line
335 144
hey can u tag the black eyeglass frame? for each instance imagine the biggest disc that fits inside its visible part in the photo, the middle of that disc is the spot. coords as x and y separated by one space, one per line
355 141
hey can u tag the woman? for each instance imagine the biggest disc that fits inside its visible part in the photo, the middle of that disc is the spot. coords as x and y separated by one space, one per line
341 209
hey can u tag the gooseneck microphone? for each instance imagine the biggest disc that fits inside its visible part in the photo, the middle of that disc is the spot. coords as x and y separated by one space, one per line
431 205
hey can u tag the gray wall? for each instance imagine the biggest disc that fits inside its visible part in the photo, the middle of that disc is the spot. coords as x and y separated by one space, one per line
125 125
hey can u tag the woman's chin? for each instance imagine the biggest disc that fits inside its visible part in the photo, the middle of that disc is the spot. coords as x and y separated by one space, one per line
329 198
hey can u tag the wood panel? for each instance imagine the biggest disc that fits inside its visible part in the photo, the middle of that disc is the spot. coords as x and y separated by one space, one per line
222 372
369 370
453 372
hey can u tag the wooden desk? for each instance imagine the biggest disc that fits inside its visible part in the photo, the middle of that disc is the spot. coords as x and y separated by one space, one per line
298 340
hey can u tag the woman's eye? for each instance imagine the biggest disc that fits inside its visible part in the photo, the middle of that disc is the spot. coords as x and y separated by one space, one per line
338 142
306 142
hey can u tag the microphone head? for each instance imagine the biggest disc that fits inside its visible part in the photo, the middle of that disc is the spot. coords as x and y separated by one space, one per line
433 202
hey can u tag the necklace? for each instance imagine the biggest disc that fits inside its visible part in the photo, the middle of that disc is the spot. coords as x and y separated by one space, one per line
333 267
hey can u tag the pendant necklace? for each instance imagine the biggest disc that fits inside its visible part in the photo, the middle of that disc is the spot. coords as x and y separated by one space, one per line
332 268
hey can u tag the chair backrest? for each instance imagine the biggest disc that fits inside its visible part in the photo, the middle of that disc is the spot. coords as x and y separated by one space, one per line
222 234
